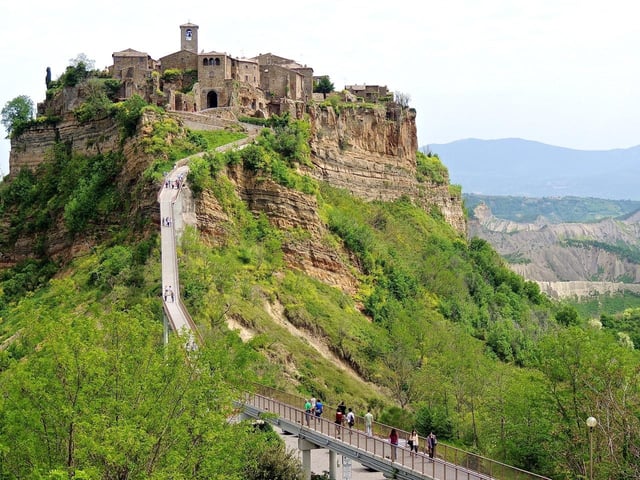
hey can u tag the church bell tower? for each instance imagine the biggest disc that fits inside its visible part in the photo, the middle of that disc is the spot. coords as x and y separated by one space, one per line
189 37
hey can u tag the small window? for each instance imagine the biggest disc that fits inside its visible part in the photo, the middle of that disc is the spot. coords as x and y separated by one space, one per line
246 78
205 62
217 61
188 34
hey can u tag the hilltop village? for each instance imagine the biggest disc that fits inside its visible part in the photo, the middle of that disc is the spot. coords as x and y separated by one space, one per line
193 81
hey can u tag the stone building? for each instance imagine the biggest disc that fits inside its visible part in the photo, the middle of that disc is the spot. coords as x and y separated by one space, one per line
134 69
187 57
369 93
284 78
246 85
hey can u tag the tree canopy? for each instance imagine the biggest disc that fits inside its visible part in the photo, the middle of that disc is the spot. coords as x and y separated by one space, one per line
17 112
323 85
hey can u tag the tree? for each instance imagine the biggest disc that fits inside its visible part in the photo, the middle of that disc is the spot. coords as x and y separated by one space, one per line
82 59
402 99
17 112
323 86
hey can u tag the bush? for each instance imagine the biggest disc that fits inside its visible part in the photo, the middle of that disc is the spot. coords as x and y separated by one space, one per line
430 168
128 114
171 75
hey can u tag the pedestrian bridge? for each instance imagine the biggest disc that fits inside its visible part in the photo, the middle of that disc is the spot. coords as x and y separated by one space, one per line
372 451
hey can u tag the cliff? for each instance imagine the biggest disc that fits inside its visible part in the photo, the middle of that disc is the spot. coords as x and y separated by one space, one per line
585 256
371 152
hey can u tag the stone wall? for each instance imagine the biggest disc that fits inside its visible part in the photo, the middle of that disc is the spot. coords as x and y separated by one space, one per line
182 60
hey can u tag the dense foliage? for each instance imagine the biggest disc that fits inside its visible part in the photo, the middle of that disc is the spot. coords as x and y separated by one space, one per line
276 153
16 114
88 389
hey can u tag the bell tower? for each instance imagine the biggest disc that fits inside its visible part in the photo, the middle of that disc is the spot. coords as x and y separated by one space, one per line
189 37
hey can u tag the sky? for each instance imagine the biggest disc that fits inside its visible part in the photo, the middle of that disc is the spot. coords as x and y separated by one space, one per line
562 72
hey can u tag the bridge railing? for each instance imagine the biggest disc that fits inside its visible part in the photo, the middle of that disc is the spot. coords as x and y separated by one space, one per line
463 461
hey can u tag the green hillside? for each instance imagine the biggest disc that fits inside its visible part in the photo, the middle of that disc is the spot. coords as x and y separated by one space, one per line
553 209
439 335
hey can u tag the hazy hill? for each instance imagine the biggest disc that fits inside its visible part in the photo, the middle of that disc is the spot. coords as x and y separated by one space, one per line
514 166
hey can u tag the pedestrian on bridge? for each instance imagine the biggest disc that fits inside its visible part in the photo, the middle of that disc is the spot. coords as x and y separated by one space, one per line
307 411
368 422
413 441
351 418
319 408
393 440
432 441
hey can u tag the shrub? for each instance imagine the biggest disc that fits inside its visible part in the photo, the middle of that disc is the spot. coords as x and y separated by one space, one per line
429 167
171 75
128 114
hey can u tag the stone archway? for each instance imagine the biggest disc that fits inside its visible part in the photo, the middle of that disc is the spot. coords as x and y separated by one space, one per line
212 99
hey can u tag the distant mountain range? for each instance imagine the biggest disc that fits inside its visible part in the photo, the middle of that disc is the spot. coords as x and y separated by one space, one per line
514 166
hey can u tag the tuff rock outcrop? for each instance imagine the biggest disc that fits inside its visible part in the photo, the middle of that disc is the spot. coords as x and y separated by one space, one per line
369 151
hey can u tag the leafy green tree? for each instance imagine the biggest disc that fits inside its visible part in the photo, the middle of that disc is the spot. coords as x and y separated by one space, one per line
17 112
323 85
567 315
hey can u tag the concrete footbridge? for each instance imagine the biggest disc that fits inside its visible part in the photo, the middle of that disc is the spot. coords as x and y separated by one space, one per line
374 450
285 411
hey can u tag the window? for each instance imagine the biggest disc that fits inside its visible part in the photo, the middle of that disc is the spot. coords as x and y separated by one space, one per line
205 62
188 34
217 61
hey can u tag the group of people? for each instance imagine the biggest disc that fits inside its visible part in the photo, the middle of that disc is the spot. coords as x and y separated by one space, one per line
313 407
413 442
343 417
166 221
346 417
174 184
168 294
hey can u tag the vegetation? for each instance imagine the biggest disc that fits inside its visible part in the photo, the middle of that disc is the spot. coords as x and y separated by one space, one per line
77 191
623 251
453 340
429 167
556 209
89 390
277 153
323 85
16 114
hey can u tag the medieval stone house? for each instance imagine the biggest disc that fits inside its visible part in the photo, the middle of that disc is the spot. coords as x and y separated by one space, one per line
256 86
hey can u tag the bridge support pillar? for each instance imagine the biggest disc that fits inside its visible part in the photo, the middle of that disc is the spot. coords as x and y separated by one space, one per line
333 465
305 447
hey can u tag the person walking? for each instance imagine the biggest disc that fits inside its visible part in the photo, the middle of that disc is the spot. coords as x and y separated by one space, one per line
432 441
393 440
413 441
339 420
368 423
319 408
351 418
307 411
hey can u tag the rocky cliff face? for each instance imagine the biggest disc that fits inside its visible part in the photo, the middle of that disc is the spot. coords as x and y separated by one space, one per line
543 251
371 152
287 209
368 151
90 138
